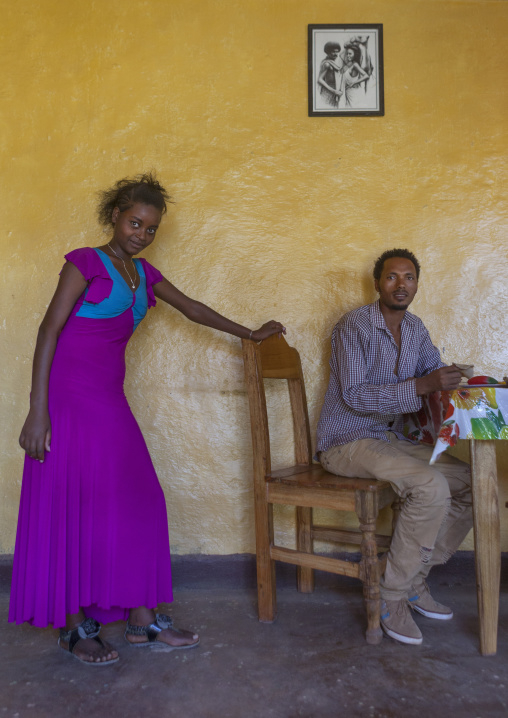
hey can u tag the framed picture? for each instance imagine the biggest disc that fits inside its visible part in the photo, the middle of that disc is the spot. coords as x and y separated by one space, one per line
346 70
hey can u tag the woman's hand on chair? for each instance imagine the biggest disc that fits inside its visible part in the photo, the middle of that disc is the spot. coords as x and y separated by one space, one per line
267 330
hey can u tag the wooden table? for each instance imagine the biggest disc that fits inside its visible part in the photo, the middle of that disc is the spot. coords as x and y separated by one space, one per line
487 545
478 416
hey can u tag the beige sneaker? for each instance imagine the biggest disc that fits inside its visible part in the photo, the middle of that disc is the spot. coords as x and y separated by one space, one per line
420 600
397 622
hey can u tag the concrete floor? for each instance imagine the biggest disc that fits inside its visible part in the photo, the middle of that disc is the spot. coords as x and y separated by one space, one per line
313 661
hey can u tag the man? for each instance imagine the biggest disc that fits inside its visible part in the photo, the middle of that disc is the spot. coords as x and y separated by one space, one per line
330 75
382 362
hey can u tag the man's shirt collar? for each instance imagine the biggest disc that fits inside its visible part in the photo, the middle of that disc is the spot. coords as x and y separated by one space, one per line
379 321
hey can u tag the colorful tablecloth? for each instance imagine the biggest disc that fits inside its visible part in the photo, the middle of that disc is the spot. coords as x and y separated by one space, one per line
465 413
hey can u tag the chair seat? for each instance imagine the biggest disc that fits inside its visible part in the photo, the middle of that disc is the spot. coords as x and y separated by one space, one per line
314 476
310 485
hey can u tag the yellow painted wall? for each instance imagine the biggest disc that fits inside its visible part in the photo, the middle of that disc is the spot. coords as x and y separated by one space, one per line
277 215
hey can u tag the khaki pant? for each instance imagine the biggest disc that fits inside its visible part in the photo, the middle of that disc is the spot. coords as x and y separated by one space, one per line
436 515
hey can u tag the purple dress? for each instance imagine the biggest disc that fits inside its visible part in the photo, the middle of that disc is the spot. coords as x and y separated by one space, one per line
92 528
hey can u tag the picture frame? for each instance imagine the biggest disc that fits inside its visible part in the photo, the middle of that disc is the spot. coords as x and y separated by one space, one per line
346 79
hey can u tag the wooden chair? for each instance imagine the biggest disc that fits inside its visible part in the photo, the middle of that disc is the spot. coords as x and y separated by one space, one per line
307 485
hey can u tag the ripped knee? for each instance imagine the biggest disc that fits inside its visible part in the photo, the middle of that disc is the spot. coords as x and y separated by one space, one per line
446 556
425 554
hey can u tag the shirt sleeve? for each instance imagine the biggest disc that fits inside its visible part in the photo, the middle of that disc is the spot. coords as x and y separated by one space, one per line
93 270
429 359
348 361
153 276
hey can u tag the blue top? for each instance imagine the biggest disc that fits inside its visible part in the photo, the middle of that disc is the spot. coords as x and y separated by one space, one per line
121 297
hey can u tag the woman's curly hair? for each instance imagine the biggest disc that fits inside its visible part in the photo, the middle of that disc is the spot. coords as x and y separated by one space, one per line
143 188
355 50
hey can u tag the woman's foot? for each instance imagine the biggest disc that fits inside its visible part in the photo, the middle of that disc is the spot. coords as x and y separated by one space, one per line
144 627
81 639
89 651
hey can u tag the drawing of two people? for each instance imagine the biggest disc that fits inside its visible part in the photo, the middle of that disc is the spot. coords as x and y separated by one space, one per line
342 74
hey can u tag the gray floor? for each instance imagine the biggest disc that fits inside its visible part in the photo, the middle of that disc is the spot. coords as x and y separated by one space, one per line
313 661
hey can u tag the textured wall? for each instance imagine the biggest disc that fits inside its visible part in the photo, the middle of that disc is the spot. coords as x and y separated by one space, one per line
277 215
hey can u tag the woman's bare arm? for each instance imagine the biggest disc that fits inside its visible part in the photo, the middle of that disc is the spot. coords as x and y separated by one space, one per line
362 73
202 314
36 433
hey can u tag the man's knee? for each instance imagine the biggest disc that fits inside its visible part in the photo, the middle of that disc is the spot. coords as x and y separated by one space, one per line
431 489
454 469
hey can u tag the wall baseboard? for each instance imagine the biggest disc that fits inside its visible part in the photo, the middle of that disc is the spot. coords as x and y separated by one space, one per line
238 571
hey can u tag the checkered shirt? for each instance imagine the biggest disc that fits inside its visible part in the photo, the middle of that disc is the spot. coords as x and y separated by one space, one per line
365 398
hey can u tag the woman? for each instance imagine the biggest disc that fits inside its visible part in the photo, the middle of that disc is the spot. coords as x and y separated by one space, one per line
92 541
352 75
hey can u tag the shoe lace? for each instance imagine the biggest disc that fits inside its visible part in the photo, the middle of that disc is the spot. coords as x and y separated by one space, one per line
402 608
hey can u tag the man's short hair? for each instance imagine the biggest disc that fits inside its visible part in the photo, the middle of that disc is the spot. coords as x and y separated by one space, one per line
391 254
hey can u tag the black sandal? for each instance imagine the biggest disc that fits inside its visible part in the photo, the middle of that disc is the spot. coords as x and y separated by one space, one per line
152 631
89 628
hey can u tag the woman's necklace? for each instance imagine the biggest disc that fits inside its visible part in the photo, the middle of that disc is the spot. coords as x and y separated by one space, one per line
132 281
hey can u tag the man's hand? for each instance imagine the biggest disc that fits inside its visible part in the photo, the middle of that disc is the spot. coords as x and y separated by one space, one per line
444 379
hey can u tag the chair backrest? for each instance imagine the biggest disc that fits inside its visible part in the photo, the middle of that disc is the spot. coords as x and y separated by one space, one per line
275 359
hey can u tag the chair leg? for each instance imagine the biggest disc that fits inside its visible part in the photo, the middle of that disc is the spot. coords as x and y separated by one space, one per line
304 576
367 510
267 597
